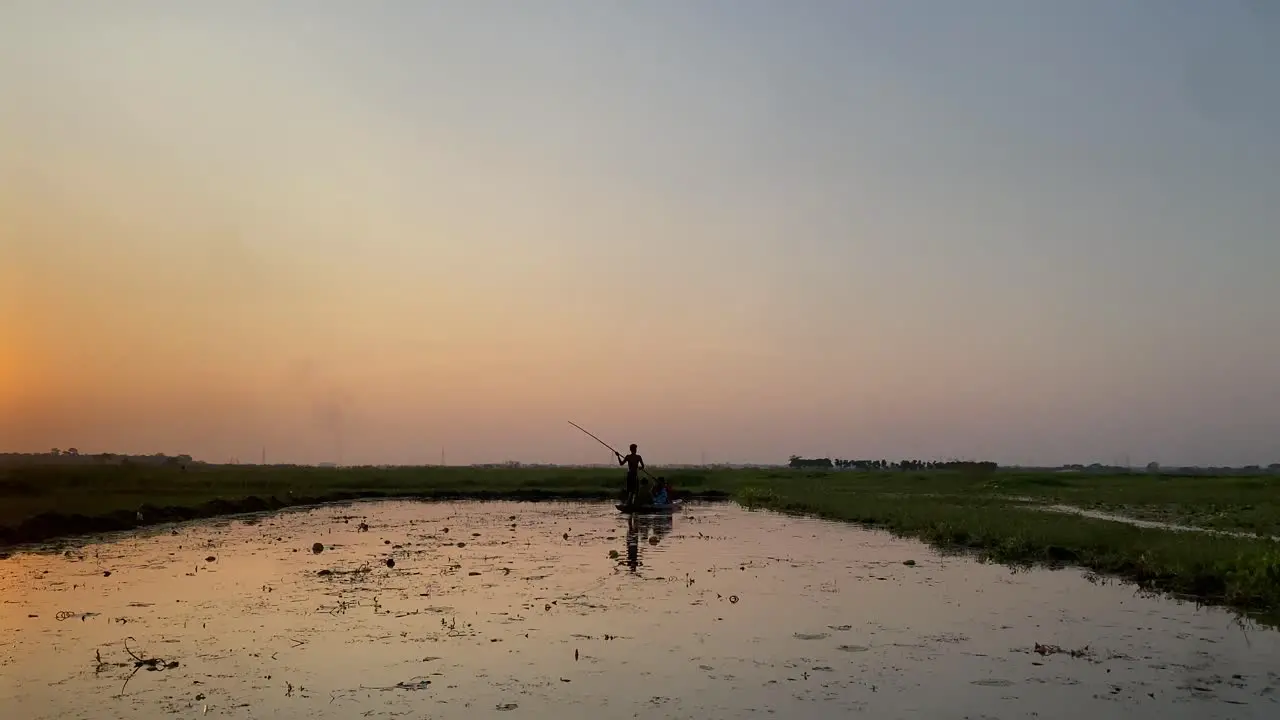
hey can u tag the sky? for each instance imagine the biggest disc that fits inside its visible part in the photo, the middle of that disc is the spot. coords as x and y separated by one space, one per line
732 230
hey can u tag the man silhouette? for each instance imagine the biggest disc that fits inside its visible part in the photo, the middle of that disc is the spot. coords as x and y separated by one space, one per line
634 464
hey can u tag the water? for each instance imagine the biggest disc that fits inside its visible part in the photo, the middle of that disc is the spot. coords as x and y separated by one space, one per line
533 617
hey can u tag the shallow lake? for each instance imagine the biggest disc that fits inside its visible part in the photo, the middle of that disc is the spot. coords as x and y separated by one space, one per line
575 611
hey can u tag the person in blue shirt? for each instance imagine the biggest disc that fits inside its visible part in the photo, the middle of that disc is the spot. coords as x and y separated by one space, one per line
660 494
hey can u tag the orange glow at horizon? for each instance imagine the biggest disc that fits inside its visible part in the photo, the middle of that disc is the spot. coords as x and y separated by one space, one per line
359 232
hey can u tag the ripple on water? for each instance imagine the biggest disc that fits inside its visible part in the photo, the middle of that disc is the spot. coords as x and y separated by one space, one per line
576 611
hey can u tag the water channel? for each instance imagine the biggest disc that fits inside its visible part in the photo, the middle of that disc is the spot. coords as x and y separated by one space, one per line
574 611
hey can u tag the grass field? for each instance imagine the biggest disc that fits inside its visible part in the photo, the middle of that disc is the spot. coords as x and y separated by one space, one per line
999 515
1003 518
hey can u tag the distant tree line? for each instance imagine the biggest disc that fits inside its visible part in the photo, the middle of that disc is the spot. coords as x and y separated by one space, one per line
1155 468
800 463
72 456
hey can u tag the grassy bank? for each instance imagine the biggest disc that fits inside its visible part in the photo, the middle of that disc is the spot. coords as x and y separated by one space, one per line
1001 517
1236 503
994 514
42 503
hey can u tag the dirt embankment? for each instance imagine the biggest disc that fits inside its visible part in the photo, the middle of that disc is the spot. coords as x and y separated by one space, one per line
53 525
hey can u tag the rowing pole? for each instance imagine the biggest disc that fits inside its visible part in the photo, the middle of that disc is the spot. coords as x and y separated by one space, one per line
615 452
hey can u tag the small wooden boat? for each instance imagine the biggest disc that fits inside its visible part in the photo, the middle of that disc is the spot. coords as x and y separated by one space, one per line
673 506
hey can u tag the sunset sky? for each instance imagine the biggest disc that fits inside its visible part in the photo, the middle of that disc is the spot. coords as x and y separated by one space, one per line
1033 232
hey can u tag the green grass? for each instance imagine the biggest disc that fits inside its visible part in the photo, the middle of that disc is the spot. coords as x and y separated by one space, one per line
992 514
1237 503
976 514
102 490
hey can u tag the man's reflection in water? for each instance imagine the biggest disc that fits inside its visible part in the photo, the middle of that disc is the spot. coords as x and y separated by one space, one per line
652 527
633 542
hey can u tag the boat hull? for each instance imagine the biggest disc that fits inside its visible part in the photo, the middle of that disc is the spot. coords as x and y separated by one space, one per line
649 509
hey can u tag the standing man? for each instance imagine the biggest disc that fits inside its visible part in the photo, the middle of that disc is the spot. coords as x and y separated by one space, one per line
634 464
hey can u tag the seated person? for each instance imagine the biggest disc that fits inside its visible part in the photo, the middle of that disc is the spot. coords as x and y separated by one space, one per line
660 494
645 492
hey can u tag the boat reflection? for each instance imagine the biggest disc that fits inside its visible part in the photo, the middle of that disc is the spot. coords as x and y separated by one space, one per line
645 529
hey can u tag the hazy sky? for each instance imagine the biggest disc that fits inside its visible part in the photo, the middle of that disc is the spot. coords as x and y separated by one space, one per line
1029 231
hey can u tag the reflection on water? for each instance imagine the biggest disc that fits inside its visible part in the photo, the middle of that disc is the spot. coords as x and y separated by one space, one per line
534 609
649 529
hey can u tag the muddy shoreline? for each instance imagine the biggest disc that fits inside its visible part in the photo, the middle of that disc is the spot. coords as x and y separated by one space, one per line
56 526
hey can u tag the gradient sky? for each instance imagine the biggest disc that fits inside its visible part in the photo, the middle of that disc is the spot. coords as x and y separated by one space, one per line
1034 232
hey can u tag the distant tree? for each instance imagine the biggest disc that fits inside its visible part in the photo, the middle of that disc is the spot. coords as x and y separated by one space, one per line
798 462
55 452
72 451
1153 467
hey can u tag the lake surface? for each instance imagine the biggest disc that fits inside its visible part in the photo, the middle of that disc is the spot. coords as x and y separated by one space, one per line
518 610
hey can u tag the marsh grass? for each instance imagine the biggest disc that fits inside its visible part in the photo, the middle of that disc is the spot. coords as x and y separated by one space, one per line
103 490
1243 573
994 515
